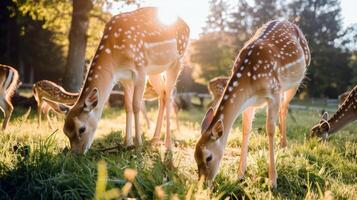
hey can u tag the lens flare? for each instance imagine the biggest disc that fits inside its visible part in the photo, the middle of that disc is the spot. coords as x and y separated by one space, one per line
166 17
166 14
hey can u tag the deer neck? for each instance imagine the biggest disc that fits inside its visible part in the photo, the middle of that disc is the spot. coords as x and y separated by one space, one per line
231 105
101 76
345 114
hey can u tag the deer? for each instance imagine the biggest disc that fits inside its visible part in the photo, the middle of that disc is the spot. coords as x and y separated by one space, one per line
267 72
135 46
9 80
49 90
346 113
216 88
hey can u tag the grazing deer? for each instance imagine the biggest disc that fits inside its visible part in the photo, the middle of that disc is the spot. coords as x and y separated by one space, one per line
345 114
134 45
216 88
267 71
9 79
50 91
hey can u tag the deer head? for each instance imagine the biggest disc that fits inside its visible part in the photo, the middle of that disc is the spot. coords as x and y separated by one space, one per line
322 128
81 121
209 151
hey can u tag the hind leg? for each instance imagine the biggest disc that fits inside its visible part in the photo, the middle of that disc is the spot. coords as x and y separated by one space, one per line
176 109
247 120
145 114
283 112
8 108
46 111
39 112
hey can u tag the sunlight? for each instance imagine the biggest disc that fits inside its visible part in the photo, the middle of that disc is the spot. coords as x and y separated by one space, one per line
167 12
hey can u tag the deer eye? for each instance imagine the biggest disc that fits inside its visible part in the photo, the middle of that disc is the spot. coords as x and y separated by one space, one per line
81 130
209 158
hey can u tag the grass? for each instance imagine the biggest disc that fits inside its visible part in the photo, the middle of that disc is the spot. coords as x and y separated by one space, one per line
35 163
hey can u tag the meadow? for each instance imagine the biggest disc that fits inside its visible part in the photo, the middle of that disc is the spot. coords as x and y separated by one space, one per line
35 162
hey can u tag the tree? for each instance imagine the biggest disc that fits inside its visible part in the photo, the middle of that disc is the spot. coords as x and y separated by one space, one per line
329 73
77 45
213 56
25 45
246 17
212 52
217 18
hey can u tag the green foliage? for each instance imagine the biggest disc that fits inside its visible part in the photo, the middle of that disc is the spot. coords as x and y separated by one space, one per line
49 171
57 19
24 42
213 57
218 17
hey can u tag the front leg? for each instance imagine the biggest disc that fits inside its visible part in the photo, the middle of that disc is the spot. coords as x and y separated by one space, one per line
171 76
272 115
247 120
128 101
140 83
158 85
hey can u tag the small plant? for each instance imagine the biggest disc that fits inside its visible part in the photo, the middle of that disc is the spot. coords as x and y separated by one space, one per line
101 192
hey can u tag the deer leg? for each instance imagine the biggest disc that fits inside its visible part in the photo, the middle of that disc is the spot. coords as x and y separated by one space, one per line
137 104
271 118
172 75
39 112
46 112
158 85
145 114
8 108
128 101
283 113
247 120
176 110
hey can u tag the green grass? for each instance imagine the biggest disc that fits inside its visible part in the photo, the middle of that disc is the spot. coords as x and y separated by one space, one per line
42 167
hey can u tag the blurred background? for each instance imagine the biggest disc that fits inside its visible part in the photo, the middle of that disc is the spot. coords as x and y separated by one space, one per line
55 40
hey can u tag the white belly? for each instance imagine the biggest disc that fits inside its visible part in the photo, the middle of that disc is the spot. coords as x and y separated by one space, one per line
160 55
124 74
293 74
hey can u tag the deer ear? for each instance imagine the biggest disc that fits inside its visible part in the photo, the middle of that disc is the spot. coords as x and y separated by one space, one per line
217 130
207 120
325 126
324 117
91 100
58 107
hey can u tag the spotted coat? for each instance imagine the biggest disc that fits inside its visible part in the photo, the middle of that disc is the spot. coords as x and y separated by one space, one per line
128 35
52 91
265 60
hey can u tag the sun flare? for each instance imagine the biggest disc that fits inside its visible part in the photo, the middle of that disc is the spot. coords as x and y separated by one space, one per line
167 14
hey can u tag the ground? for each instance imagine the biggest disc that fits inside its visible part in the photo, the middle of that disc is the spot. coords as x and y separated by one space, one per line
35 163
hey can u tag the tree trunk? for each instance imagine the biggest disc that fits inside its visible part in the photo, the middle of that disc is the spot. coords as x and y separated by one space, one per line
77 45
